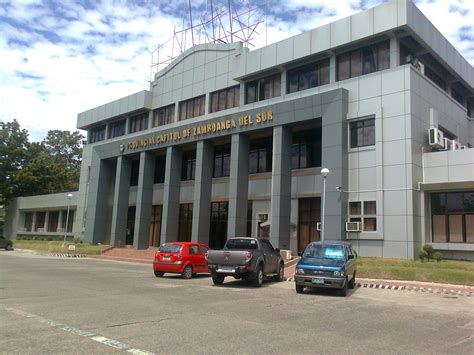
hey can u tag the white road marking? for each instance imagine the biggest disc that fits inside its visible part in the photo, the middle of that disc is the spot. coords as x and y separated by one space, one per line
83 333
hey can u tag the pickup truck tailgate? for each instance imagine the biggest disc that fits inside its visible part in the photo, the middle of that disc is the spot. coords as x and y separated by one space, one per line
226 257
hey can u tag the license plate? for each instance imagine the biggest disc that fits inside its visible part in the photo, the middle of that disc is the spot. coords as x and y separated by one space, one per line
166 258
318 281
226 269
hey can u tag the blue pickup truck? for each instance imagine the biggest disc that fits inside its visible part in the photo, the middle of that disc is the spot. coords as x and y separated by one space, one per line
327 264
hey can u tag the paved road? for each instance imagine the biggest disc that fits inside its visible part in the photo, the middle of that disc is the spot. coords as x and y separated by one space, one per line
55 305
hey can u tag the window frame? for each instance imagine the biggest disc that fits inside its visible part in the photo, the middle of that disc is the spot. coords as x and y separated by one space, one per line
194 107
214 99
221 154
117 128
362 215
138 123
259 87
314 69
353 127
188 161
168 115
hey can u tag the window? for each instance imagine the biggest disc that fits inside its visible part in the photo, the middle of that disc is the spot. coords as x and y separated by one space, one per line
160 166
185 224
40 219
306 149
309 76
263 89
452 217
366 215
138 123
53 221
457 96
28 221
221 161
260 156
192 108
435 77
362 61
362 133
163 116
134 172
97 134
218 227
117 129
188 167
194 250
224 99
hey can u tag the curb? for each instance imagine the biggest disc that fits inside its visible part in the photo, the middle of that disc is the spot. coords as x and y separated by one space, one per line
68 255
399 286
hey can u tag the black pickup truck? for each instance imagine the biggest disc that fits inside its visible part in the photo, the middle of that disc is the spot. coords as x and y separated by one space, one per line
248 259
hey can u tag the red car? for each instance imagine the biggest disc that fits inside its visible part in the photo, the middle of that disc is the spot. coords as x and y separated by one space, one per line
185 258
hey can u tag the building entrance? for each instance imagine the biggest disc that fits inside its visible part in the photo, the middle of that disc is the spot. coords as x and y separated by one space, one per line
309 214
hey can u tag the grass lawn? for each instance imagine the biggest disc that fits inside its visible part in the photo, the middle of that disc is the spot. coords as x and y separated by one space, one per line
57 247
445 271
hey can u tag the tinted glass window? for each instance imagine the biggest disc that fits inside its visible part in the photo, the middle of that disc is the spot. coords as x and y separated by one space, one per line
324 251
241 244
170 248
194 249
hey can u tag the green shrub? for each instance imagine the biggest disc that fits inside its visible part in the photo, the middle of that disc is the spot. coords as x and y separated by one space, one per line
422 254
438 256
50 239
77 240
429 250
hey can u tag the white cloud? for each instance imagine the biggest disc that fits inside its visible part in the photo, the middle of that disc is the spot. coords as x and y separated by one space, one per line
75 57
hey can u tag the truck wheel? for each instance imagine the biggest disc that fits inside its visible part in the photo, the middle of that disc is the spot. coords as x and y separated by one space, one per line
159 273
218 279
258 279
343 289
352 283
187 272
281 272
299 288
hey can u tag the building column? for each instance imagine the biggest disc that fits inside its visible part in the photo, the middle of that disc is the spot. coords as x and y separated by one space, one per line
202 192
150 119
170 216
120 206
60 220
144 201
99 185
281 188
332 68
238 186
394 52
33 222
46 221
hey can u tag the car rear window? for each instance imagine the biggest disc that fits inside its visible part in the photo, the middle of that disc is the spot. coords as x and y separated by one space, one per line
324 251
170 248
241 244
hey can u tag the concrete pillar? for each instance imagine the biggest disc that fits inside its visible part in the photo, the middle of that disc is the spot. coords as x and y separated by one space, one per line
170 217
127 125
394 52
99 184
33 222
283 85
332 68
46 221
120 206
281 188
202 192
150 119
238 186
144 200
60 219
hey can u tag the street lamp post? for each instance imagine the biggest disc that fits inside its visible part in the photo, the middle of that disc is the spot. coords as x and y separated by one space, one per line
69 196
324 173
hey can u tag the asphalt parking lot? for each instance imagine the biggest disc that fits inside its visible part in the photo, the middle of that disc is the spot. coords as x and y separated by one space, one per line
59 305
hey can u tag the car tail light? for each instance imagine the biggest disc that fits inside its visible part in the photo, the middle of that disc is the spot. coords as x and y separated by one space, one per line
248 256
156 254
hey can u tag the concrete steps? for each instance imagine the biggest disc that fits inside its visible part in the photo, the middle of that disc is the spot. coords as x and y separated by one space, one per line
130 254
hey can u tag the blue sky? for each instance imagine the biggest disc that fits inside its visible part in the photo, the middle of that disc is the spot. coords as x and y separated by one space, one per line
59 58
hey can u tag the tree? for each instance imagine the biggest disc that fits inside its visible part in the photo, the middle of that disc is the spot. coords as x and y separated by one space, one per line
13 154
26 169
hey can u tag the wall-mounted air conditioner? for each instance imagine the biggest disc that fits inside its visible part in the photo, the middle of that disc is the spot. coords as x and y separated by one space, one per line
353 227
455 145
436 138
318 226
262 217
448 144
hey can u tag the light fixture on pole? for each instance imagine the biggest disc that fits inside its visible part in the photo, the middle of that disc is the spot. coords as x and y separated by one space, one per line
69 196
324 173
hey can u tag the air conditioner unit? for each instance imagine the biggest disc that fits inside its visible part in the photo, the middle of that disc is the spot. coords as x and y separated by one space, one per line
436 138
455 145
353 227
318 226
262 217
448 144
